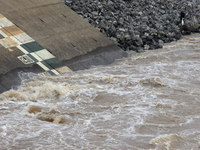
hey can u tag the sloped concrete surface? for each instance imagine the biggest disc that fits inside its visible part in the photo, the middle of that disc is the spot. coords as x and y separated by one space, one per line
46 36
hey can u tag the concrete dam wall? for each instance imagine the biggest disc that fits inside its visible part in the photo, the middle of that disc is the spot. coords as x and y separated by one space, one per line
48 38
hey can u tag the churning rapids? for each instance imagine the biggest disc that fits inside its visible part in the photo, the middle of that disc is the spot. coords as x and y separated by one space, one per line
150 100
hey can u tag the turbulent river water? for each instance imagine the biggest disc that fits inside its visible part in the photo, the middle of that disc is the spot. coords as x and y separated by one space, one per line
149 100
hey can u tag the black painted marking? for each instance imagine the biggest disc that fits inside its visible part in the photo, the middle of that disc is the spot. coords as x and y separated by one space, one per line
41 20
95 40
64 16
16 25
72 45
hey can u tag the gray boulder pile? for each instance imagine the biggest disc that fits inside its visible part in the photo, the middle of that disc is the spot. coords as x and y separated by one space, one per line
139 24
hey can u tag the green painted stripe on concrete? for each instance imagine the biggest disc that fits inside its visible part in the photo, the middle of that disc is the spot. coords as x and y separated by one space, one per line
47 65
51 73
54 62
26 48
32 46
32 57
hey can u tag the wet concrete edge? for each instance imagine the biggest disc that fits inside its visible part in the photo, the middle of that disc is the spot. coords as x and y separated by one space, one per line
99 56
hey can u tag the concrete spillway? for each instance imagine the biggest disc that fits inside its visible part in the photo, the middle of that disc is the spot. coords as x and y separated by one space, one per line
48 38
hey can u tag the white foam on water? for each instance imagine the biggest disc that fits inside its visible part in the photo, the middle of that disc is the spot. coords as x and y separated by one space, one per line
147 101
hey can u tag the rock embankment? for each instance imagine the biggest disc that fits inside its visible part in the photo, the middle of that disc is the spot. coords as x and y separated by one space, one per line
138 24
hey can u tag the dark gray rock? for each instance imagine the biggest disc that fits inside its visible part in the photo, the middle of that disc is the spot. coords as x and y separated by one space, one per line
133 24
121 21
95 13
146 47
137 41
160 42
127 37
192 25
162 11
144 19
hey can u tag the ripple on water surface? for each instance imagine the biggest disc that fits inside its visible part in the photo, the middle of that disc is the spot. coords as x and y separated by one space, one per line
147 101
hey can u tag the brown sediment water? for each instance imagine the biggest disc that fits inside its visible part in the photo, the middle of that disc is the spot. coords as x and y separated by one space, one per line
149 100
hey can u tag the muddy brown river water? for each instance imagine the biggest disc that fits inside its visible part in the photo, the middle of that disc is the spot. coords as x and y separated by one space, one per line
148 101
